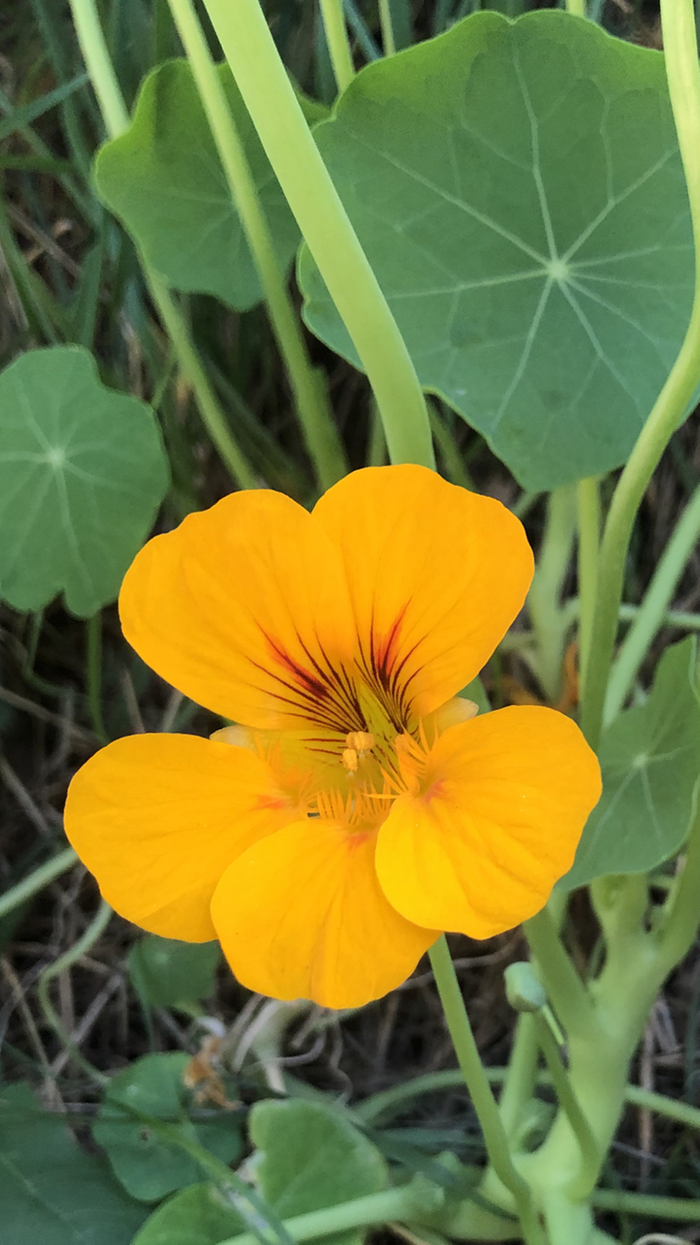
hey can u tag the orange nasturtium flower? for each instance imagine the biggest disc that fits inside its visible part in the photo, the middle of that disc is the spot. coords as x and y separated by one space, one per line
359 808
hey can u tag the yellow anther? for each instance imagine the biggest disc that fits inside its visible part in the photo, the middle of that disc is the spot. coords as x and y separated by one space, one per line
360 741
349 759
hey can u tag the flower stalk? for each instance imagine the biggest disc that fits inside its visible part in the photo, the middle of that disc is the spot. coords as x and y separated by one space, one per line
481 1094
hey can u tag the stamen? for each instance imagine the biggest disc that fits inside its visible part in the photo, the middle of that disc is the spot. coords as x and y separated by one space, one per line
360 741
349 759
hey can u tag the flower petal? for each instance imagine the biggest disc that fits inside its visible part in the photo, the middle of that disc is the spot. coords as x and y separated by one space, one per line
301 915
158 818
506 797
436 575
242 608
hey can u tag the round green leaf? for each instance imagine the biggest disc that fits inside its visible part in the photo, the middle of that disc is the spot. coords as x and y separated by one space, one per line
519 194
650 760
164 180
169 973
82 473
312 1158
198 1215
148 1165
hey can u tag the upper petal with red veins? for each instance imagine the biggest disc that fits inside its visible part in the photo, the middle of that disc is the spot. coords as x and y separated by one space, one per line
245 609
436 576
503 802
301 915
158 819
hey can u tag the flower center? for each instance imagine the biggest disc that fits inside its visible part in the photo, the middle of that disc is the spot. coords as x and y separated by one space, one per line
358 744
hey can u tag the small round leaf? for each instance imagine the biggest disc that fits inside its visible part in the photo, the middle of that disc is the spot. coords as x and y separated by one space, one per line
82 473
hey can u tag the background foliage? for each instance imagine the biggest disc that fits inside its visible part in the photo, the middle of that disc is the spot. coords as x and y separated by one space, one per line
147 1160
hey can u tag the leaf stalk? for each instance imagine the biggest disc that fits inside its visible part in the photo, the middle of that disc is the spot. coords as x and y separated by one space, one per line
269 97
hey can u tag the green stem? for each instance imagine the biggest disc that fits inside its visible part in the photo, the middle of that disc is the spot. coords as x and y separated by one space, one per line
646 1204
680 47
190 366
84 944
296 160
652 612
267 1228
319 431
548 619
388 41
482 1097
682 1112
678 930
94 675
565 989
453 462
99 65
376 448
116 118
375 1208
521 1074
37 306
590 1156
361 31
577 7
389 1101
338 42
37 880
588 505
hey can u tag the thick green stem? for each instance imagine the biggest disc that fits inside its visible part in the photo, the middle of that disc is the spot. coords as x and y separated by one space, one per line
647 1205
376 1208
116 118
482 1097
680 47
544 601
295 158
338 43
590 1156
652 612
599 1059
588 506
521 1075
37 880
577 7
315 416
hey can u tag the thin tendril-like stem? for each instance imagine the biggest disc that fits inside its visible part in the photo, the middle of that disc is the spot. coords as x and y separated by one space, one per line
588 506
482 1097
652 613
387 26
683 72
37 880
116 118
319 431
333 16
